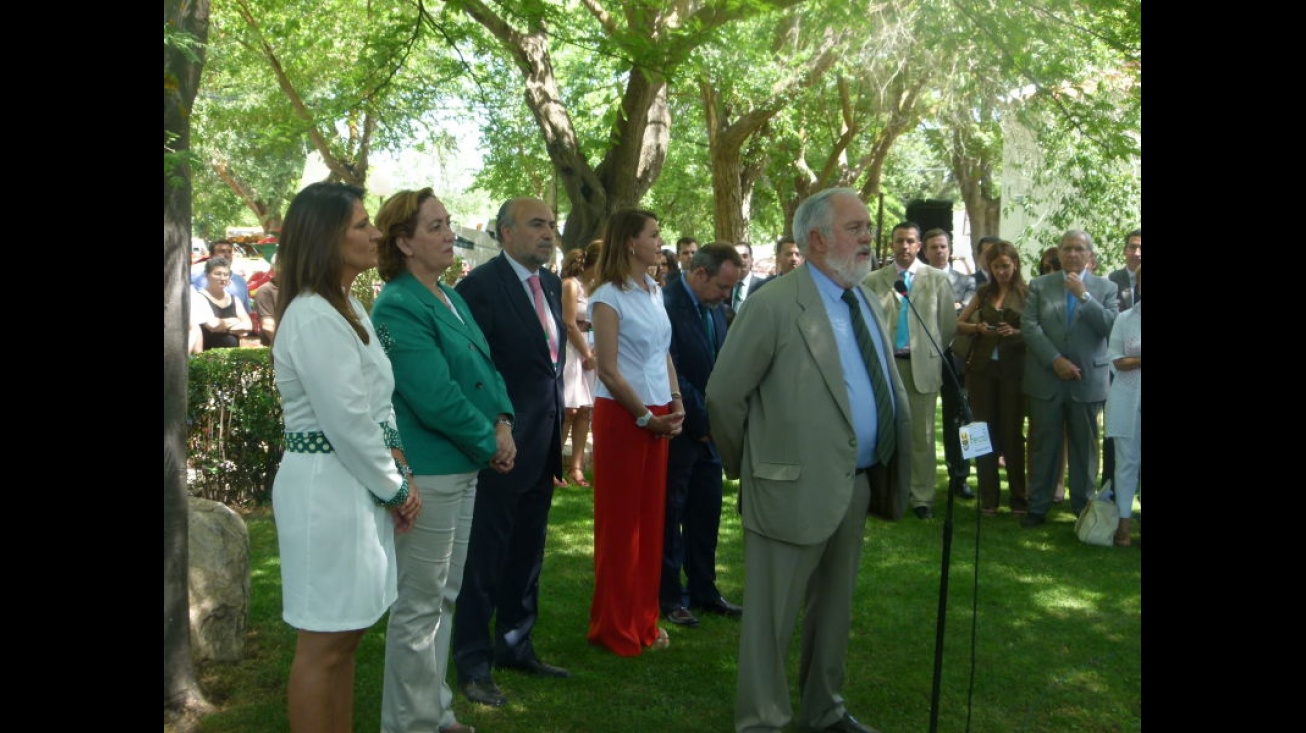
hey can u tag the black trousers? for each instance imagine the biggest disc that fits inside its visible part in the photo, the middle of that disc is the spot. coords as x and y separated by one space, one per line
693 521
958 467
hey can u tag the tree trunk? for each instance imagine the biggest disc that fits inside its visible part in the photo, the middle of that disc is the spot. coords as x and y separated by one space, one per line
974 174
182 699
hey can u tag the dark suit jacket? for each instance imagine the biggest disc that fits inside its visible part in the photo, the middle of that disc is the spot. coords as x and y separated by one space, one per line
507 317
692 354
1121 278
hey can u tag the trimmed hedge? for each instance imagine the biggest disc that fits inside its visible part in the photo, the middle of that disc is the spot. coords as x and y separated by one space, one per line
236 429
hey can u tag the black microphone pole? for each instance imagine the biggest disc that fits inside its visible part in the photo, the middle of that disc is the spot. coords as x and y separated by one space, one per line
901 288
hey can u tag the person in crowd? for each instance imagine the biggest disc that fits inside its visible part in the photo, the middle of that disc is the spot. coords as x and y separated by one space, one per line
1066 322
236 285
343 488
808 413
220 316
1124 407
637 408
578 270
265 307
454 419
1049 261
914 340
1126 278
667 269
937 253
787 257
1130 293
685 249
994 370
695 307
981 275
748 283
517 303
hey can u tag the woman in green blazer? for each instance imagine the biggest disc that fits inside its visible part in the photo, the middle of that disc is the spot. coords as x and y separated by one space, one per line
455 419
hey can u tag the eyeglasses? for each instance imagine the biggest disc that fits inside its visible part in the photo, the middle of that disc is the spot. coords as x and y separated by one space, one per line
220 275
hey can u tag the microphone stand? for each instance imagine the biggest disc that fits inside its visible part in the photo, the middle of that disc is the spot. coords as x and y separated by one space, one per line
967 417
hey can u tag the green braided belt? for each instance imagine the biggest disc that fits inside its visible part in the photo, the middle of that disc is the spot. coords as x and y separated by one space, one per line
316 442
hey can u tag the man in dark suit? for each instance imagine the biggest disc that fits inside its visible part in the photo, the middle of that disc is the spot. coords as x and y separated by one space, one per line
517 303
807 411
698 329
787 257
1124 278
1066 323
937 253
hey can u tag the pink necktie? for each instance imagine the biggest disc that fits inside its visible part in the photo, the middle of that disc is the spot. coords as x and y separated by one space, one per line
543 312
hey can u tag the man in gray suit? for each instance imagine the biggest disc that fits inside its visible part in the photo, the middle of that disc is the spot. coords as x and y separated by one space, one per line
799 404
1067 320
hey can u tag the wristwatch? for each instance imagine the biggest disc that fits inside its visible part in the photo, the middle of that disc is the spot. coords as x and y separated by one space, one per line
1084 297
642 420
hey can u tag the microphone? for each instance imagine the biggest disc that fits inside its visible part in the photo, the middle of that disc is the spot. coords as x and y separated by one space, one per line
967 416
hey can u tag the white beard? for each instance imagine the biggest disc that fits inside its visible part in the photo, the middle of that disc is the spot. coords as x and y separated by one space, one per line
848 269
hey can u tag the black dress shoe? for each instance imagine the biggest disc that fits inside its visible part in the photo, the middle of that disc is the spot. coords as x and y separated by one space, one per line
1033 520
681 616
848 724
484 692
536 667
923 512
962 491
721 607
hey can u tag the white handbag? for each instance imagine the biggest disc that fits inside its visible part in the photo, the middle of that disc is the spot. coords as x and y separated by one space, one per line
1098 522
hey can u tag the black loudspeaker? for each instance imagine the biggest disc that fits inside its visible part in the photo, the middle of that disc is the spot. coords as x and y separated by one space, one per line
931 214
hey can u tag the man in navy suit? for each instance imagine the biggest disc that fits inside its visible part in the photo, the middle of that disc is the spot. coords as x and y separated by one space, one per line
1066 323
517 303
695 307
1124 278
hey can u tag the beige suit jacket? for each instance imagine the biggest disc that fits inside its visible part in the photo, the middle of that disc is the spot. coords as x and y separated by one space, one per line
780 416
931 293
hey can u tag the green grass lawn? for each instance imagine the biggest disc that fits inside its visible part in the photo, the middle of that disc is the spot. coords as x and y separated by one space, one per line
1043 634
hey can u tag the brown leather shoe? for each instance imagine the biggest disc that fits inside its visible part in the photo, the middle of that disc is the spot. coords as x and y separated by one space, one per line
681 616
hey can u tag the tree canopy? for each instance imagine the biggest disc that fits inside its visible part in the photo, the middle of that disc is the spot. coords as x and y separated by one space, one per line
723 114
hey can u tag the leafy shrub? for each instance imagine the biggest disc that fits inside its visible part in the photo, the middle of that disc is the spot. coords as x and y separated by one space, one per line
236 429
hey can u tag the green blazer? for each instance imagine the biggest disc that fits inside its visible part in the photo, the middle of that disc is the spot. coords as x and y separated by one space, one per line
447 391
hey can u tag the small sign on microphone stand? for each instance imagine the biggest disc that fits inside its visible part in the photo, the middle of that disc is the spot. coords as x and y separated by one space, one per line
975 440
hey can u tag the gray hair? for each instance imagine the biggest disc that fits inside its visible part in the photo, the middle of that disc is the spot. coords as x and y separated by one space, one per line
817 212
1081 234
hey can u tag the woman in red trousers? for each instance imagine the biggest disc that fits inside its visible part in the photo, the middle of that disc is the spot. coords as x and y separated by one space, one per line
636 410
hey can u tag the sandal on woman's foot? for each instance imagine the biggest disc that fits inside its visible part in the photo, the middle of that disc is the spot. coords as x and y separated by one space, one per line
558 483
663 641
578 478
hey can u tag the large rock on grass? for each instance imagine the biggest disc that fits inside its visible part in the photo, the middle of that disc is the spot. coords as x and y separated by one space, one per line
219 581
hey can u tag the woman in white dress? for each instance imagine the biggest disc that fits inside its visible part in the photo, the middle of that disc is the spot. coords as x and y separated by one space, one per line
578 375
1124 410
341 491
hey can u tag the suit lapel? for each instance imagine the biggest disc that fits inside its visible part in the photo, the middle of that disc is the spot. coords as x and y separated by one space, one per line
814 324
514 294
443 318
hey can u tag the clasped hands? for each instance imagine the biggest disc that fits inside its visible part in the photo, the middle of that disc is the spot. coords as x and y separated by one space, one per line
668 425
505 453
